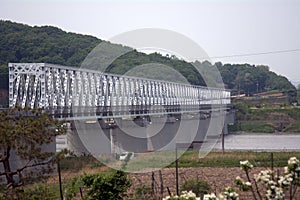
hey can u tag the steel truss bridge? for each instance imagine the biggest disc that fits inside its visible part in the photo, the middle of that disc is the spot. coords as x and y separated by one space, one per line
73 93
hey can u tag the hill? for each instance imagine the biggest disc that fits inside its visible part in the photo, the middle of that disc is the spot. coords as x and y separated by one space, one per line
23 43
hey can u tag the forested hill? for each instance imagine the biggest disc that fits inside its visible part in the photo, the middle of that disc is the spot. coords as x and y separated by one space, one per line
23 43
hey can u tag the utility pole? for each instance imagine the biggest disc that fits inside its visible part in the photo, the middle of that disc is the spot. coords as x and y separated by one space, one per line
59 179
176 162
223 141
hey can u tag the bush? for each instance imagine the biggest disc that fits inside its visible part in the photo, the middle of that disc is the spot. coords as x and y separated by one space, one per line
198 186
72 188
109 186
143 192
255 128
258 128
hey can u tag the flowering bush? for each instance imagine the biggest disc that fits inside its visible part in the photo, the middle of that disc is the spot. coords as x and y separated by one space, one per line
273 185
227 194
184 195
211 196
246 165
244 186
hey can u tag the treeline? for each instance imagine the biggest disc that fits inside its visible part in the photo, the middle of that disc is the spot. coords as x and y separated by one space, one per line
249 79
23 43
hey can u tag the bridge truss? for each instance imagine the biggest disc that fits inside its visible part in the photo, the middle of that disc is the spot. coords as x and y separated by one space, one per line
70 92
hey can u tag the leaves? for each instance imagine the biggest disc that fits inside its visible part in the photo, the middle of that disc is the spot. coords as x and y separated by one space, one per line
110 186
26 132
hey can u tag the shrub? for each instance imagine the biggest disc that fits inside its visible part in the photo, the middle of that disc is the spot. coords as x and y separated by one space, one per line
143 192
198 186
109 186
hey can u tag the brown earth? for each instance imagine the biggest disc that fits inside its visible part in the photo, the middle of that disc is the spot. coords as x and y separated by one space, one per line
217 177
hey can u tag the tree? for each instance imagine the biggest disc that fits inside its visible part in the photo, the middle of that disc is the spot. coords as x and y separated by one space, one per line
110 186
24 134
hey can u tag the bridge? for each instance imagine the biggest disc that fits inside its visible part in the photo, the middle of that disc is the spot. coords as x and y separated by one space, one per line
101 108
75 93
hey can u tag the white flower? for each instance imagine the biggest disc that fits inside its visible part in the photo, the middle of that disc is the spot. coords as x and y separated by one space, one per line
286 170
166 198
211 196
264 176
248 183
245 165
293 160
184 195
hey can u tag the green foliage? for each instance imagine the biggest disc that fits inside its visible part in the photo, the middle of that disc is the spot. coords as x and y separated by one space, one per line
34 192
23 133
242 111
77 163
126 160
23 43
143 192
198 186
72 188
249 79
232 159
293 128
255 128
109 186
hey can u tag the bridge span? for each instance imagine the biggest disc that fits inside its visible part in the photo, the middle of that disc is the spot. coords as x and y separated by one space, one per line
69 93
111 113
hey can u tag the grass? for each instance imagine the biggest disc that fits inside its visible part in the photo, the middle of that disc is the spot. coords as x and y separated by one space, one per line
151 160
294 127
232 159
43 190
75 164
213 159
255 128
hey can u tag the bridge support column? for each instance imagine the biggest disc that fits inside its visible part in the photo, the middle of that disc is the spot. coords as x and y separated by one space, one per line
112 141
149 141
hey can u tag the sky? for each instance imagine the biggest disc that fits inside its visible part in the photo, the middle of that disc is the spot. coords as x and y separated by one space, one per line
228 30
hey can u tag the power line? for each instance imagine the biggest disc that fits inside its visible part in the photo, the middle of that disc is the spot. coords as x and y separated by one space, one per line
256 54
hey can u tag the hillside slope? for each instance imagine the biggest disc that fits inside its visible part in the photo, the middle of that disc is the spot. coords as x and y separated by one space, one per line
23 43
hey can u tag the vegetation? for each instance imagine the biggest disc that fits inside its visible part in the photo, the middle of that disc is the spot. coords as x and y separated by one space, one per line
75 163
267 184
198 186
255 128
143 192
231 159
35 191
249 79
110 186
264 118
23 43
74 184
24 136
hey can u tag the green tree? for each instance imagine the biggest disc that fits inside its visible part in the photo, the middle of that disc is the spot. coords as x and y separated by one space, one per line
110 186
24 136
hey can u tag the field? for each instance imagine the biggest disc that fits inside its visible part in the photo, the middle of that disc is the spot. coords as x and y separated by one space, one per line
217 169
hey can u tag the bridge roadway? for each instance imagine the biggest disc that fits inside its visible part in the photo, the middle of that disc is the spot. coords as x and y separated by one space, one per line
74 93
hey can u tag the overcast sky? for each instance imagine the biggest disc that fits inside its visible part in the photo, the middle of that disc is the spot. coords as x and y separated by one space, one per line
221 28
